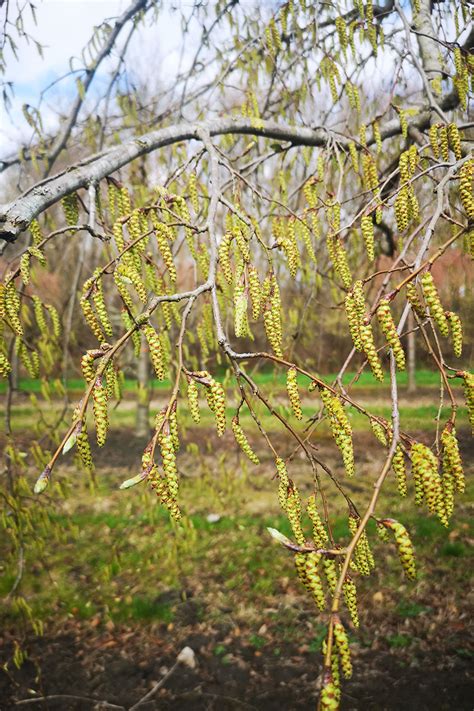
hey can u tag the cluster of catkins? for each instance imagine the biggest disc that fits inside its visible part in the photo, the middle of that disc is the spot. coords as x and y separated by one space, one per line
340 660
13 312
245 283
360 328
340 426
444 137
215 395
312 565
406 203
448 322
436 485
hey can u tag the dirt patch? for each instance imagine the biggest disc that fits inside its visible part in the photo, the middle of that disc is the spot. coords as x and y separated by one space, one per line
121 666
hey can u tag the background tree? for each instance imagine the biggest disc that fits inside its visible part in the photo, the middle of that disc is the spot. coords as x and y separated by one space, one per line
303 158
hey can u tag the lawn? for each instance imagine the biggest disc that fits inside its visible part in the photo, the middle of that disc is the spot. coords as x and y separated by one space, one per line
110 590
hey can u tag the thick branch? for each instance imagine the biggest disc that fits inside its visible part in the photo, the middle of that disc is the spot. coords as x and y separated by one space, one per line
427 41
17 215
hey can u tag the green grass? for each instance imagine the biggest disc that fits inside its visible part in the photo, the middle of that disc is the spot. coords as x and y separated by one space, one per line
424 378
416 417
129 563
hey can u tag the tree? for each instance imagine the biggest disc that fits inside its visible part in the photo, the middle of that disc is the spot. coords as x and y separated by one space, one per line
299 145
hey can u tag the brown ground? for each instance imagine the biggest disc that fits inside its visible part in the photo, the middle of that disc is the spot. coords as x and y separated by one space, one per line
120 666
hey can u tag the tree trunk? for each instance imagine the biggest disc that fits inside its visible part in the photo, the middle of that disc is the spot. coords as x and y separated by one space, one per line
142 422
411 353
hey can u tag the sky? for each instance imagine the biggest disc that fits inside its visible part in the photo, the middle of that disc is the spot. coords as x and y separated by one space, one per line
64 27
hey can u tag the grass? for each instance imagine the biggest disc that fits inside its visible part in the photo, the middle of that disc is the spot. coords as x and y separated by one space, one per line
424 378
418 417
129 563
115 556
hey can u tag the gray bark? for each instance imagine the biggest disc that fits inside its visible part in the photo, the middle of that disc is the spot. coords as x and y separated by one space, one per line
17 215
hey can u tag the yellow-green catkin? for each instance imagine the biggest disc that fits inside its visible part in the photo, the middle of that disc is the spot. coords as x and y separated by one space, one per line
135 336
363 558
55 320
350 598
164 235
224 256
382 532
25 267
452 464
39 316
293 394
99 400
193 399
455 140
35 232
127 273
425 469
404 546
341 428
242 441
11 308
29 360
255 292
293 511
466 176
5 367
468 387
354 320
433 302
368 344
84 450
113 382
320 536
100 307
389 329
216 401
314 582
367 229
402 208
272 316
241 325
329 697
283 482
379 431
434 142
377 136
331 573
70 206
414 299
173 425
342 644
156 351
87 365
88 312
168 456
443 141
399 467
354 156
338 256
455 326
193 193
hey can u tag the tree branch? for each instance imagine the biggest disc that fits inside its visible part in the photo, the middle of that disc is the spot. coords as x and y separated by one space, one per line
17 215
